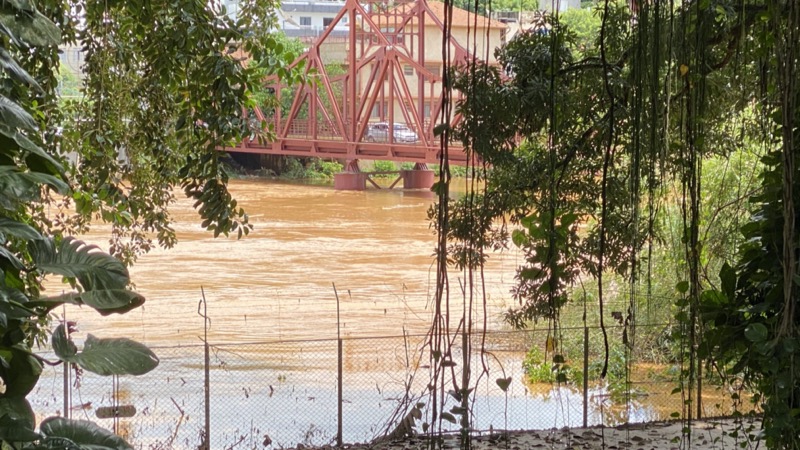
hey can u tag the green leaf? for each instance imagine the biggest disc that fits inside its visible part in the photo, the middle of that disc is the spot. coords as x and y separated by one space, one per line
18 186
13 69
448 417
63 346
503 383
519 238
34 28
73 258
727 278
18 229
18 409
22 373
11 258
682 287
86 434
16 430
117 356
15 116
105 301
22 5
756 332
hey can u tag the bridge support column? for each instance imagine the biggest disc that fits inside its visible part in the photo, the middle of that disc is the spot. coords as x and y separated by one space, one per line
420 177
351 179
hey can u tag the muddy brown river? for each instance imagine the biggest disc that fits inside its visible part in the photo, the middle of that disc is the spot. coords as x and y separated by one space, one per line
375 246
273 329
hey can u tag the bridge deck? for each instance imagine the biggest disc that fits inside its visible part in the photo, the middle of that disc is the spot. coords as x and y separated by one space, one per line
340 149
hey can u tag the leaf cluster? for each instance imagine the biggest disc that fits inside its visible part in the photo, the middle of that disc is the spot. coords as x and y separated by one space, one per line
95 279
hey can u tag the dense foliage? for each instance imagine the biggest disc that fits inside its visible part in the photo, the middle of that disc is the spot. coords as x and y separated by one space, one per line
635 147
164 87
95 279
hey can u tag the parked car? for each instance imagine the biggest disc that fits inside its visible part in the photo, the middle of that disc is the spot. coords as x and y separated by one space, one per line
379 132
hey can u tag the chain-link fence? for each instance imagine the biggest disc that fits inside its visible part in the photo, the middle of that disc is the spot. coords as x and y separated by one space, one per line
288 392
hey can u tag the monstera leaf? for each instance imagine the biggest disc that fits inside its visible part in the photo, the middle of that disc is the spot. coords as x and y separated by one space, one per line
73 258
117 356
72 434
105 301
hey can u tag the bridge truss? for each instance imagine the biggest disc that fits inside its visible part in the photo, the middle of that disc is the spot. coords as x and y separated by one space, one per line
385 49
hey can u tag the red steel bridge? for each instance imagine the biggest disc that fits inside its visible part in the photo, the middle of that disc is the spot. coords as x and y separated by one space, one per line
388 60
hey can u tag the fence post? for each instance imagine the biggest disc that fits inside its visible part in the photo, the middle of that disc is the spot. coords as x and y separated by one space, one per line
67 407
67 393
339 400
585 376
206 445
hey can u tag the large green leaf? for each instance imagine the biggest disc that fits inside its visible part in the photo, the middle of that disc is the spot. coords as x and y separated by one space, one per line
117 356
15 116
16 430
21 373
12 310
33 28
86 434
18 229
6 254
63 346
22 187
37 159
19 409
13 69
105 301
73 258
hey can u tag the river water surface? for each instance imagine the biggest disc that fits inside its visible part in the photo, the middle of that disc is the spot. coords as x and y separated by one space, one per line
375 246
273 326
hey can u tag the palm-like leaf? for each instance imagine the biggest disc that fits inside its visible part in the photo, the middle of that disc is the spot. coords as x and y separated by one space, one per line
73 258
18 229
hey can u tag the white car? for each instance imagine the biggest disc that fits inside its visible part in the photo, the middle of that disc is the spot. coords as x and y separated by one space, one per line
379 132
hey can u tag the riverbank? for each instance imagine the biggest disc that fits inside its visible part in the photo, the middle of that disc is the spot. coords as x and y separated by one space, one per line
710 434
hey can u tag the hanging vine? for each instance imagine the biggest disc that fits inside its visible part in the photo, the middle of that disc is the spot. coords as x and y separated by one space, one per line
615 137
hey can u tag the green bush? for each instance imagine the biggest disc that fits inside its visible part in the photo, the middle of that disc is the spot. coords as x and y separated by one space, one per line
313 169
384 166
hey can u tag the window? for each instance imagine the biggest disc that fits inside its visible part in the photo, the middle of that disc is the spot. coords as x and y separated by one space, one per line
376 110
427 110
408 70
305 21
326 22
433 68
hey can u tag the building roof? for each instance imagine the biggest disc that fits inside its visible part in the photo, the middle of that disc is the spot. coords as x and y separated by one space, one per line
463 18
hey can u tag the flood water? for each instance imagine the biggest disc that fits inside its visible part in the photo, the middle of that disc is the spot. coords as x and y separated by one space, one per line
375 246
273 325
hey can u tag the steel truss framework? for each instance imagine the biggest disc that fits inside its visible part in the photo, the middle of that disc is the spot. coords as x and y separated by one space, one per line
386 79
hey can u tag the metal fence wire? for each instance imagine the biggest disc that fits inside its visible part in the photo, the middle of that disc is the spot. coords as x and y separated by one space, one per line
286 392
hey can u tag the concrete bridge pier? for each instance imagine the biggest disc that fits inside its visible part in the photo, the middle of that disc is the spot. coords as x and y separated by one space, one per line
352 179
420 177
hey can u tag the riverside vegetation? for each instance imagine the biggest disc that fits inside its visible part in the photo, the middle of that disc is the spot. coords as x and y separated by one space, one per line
614 160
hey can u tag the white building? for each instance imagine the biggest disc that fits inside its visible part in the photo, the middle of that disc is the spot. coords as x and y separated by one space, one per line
310 18
307 18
